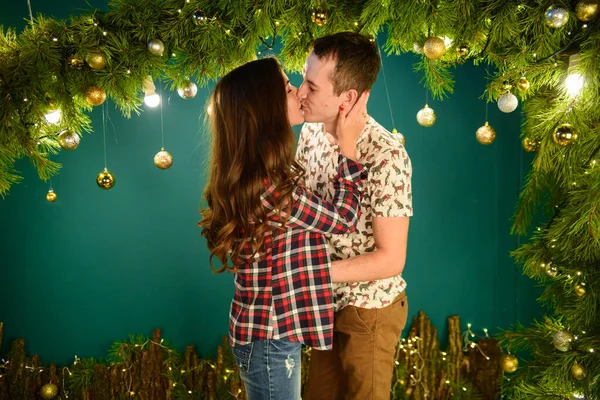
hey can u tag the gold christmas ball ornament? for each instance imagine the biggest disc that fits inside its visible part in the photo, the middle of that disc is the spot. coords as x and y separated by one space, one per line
556 17
401 136
485 134
578 371
96 60
320 17
51 196
200 18
156 47
163 159
530 145
562 340
586 10
434 48
509 363
187 90
580 290
462 50
105 179
95 95
564 134
68 140
49 391
75 61
551 270
508 102
426 116
523 84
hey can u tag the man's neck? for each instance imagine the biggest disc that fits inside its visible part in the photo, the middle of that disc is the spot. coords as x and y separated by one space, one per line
330 127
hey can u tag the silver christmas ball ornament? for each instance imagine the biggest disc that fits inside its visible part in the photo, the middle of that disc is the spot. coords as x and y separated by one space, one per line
508 102
156 47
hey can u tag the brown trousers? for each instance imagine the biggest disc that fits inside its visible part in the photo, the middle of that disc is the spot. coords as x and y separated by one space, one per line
361 364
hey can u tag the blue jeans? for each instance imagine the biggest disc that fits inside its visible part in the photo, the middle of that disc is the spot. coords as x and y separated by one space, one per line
270 369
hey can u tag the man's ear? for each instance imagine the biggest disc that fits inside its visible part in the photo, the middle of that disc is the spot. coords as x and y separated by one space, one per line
350 97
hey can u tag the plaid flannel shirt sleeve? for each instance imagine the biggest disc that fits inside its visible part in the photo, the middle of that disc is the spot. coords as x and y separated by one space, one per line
310 212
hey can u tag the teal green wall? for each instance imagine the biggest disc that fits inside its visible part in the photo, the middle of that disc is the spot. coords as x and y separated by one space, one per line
96 266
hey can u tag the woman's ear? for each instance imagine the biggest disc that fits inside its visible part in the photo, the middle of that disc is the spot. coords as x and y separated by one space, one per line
350 97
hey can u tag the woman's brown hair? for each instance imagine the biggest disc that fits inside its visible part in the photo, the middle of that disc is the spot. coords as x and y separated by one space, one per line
252 140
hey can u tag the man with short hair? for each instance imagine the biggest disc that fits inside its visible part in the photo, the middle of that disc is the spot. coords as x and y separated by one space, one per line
372 310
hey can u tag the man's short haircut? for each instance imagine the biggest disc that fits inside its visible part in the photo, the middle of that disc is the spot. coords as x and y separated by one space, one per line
357 60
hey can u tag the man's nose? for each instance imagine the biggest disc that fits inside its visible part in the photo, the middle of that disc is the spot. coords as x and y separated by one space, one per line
301 92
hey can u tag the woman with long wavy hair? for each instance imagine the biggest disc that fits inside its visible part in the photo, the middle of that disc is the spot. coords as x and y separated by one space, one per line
263 226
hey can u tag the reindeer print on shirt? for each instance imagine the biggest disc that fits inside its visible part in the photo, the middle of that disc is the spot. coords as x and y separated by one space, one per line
387 193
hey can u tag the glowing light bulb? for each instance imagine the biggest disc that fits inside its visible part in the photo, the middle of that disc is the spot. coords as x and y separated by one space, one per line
152 99
53 117
574 84
574 81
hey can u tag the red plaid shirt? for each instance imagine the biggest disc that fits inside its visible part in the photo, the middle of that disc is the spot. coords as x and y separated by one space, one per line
288 293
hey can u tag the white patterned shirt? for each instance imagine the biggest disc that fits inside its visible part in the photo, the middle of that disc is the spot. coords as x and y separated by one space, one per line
387 193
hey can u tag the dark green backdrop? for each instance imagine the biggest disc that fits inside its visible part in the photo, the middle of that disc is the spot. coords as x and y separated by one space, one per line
96 266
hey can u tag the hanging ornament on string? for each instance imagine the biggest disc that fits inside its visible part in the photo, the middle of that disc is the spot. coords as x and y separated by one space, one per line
387 95
51 196
530 145
49 391
96 60
580 290
485 134
556 17
156 47
163 159
523 84
509 363
400 136
95 95
434 48
426 116
200 18
462 50
320 17
68 140
564 134
187 90
562 340
578 371
586 10
105 179
508 102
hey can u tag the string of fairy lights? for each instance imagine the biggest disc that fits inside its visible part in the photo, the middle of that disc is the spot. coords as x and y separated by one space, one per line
51 390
